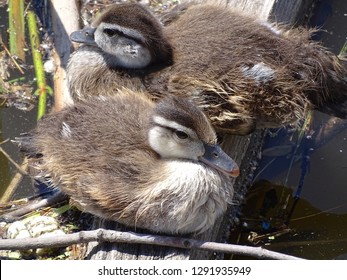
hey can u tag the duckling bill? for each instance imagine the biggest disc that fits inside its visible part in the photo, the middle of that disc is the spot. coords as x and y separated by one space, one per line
85 35
125 158
243 72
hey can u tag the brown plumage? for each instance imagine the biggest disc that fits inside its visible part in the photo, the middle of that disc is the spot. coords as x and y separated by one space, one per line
243 72
94 69
125 158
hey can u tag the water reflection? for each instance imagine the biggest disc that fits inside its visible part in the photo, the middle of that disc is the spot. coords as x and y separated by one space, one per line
298 200
320 162
17 112
13 122
5 175
297 203
307 232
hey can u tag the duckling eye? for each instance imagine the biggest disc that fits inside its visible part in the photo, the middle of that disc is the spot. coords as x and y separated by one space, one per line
181 135
110 32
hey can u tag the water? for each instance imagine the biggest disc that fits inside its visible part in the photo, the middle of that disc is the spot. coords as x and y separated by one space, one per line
318 219
316 172
14 121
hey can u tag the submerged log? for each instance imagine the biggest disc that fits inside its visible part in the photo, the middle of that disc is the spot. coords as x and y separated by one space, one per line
245 150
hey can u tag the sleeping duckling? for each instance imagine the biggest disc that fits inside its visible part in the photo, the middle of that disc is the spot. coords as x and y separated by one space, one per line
243 72
112 58
125 158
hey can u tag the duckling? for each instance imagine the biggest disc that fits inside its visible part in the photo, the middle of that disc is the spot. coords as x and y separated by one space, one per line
243 72
120 43
125 158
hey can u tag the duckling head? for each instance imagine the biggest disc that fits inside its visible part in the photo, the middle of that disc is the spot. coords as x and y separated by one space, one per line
180 130
129 36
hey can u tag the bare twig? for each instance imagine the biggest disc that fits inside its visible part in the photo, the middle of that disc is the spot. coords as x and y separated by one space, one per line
19 168
103 235
10 55
16 214
5 141
12 186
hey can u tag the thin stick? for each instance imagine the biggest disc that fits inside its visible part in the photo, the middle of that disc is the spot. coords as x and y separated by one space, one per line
5 141
11 188
10 55
19 168
49 201
103 235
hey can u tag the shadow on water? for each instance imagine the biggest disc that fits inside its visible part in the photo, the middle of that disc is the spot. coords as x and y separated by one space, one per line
307 232
297 203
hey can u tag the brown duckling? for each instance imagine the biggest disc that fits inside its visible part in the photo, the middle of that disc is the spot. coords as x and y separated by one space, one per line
144 164
242 71
127 38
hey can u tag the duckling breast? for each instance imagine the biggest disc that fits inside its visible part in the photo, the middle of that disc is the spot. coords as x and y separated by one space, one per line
89 73
188 197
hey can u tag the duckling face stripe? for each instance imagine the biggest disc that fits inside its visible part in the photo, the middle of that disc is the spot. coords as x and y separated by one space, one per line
163 140
174 126
187 116
116 29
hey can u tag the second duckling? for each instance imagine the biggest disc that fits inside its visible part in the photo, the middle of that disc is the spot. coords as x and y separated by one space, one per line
127 159
242 71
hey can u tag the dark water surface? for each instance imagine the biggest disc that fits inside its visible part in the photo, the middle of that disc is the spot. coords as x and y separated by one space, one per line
303 190
14 121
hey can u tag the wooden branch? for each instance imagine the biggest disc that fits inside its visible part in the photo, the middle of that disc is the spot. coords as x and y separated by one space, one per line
14 215
65 20
10 56
103 235
12 186
19 168
259 7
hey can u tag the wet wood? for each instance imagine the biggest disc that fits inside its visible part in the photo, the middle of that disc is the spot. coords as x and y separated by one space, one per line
244 150
292 12
287 12
254 7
